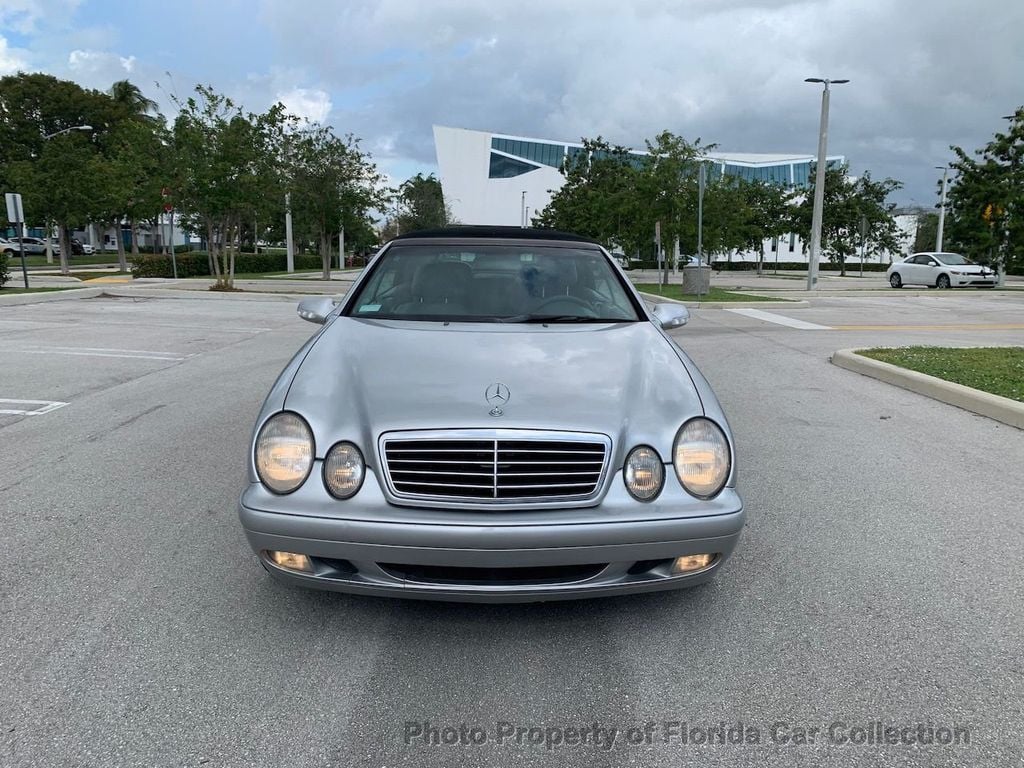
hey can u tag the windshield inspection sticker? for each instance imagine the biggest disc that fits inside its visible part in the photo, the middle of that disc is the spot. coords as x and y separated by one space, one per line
369 307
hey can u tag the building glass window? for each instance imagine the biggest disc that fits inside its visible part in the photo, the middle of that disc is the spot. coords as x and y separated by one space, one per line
502 167
534 151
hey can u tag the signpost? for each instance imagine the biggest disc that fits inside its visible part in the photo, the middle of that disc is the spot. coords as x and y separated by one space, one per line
16 215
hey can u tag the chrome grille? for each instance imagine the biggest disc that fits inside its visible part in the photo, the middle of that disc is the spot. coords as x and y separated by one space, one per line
500 469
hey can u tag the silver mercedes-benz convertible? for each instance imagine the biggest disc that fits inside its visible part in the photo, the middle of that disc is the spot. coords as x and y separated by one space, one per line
492 414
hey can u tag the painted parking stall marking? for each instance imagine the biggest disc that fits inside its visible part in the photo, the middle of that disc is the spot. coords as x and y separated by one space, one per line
141 354
9 407
771 317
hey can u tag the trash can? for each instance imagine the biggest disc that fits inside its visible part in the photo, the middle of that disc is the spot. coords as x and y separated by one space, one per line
696 279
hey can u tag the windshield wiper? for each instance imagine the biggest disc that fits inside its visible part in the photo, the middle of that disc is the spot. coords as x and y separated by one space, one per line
563 319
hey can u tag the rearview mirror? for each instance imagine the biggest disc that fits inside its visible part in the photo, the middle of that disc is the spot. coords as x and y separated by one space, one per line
671 316
316 309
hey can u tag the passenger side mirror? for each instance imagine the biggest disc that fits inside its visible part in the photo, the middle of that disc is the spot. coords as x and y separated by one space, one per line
671 316
316 309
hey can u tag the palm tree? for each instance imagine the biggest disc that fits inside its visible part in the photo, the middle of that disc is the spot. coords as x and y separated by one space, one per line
129 96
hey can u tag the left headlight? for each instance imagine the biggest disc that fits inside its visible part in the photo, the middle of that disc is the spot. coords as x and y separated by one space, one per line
343 471
284 452
702 457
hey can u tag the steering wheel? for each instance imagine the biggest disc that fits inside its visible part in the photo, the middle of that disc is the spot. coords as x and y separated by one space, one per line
573 300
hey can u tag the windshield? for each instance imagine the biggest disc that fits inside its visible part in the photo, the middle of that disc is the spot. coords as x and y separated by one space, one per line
952 259
493 283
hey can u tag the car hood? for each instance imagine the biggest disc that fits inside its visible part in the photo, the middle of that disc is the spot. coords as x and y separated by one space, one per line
970 269
365 377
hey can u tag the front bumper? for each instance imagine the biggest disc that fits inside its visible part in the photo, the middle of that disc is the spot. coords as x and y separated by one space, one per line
493 562
960 281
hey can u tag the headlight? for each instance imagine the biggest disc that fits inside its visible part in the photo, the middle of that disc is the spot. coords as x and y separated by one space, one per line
701 457
343 471
644 473
284 452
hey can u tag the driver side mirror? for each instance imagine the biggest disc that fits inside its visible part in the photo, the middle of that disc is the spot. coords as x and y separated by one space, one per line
316 309
671 316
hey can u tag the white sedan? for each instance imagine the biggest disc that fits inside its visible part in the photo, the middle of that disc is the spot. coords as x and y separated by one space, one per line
939 270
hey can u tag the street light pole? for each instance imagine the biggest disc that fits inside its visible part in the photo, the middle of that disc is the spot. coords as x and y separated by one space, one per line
68 130
289 248
819 182
522 210
942 208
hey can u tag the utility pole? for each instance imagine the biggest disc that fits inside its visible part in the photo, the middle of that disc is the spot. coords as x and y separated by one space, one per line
819 183
289 247
701 184
942 208
522 210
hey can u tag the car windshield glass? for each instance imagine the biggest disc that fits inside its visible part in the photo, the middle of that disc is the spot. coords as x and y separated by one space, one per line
493 283
952 258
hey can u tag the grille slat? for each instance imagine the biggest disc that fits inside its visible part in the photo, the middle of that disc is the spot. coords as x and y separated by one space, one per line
495 470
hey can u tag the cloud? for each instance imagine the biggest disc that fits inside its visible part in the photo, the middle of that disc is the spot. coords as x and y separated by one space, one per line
26 16
95 62
312 104
10 61
923 74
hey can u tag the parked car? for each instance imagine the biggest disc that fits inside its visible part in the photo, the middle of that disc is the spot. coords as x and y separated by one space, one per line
7 247
939 270
35 246
492 414
78 248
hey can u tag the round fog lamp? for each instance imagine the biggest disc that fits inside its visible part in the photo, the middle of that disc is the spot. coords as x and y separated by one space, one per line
343 471
644 473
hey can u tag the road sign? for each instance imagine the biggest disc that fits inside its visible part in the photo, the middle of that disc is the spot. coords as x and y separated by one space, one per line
15 213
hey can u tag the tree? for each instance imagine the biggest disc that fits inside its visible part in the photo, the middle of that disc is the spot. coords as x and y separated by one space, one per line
422 204
764 210
926 232
854 210
227 172
51 173
985 204
598 197
333 185
128 96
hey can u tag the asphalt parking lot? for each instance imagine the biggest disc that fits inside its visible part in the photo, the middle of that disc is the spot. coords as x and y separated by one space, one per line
879 578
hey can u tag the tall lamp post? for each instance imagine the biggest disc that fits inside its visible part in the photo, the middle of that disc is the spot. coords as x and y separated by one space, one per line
522 210
942 207
819 182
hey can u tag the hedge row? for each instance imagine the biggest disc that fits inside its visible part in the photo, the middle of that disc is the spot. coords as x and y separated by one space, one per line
4 274
197 264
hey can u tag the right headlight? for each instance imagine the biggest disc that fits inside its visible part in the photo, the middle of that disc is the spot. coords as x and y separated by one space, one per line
284 452
701 457
644 473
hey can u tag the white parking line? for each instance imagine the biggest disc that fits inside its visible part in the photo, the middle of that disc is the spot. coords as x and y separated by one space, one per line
140 354
771 317
42 406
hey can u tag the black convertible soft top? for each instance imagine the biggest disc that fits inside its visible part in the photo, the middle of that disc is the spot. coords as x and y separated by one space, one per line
510 233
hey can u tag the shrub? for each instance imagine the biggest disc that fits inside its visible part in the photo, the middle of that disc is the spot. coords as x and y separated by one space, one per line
197 264
5 275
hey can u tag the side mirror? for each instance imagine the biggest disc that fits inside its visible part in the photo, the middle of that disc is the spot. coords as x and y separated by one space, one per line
671 316
316 309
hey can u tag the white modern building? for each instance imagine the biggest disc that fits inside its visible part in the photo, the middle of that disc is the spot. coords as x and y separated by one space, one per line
500 179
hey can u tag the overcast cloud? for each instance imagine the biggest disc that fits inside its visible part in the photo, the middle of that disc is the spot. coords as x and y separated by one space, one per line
924 74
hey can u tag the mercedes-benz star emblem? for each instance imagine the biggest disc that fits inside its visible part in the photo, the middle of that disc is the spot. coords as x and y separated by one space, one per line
497 395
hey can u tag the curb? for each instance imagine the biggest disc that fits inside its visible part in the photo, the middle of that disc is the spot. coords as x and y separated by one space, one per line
204 295
727 304
995 407
37 298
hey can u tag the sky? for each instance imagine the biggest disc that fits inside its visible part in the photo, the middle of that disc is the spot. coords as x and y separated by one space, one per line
924 74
